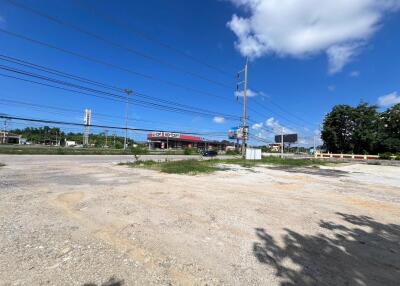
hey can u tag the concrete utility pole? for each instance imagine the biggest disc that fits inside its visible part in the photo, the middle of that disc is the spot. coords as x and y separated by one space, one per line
106 134
245 111
244 118
315 150
5 130
87 119
128 93
282 143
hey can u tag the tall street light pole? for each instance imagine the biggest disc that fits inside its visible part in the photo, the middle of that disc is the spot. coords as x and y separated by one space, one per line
128 93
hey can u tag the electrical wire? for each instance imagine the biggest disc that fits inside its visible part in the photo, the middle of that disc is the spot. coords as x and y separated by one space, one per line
114 44
135 31
9 117
111 65
120 97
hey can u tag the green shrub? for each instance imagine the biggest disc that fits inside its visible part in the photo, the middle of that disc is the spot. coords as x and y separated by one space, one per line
385 156
139 150
232 152
190 151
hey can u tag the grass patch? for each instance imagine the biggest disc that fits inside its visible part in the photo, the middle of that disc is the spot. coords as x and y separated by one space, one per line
190 167
276 161
193 167
293 162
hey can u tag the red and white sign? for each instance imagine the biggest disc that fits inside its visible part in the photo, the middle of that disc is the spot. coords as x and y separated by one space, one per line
165 135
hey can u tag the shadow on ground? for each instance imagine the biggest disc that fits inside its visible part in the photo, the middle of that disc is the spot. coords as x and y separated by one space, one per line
312 171
361 251
111 282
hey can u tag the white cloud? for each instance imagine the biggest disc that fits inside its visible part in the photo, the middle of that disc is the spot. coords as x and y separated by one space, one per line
332 88
250 93
308 27
340 55
354 73
256 126
389 99
219 119
276 127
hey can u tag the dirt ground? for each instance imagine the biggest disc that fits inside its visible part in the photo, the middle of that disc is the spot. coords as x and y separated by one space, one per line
84 220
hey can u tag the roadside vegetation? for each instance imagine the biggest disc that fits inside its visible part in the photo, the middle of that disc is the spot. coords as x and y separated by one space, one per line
389 156
362 130
194 167
52 150
191 167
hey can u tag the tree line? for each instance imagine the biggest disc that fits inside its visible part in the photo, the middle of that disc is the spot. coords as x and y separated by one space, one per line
362 129
39 135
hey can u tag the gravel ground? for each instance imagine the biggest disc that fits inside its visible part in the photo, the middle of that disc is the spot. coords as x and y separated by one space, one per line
84 220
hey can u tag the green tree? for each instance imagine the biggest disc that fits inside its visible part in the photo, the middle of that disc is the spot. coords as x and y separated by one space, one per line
338 129
389 130
347 129
365 135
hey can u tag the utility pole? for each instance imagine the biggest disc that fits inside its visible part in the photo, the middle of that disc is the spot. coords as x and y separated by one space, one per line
244 118
87 119
114 140
315 151
282 143
128 93
106 134
5 130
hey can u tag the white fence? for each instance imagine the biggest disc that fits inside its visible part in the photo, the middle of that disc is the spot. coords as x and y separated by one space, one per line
345 156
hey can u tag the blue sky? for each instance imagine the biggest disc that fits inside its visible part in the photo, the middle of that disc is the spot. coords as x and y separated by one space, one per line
302 62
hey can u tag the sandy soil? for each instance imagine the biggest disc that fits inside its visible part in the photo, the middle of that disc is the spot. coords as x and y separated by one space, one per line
85 220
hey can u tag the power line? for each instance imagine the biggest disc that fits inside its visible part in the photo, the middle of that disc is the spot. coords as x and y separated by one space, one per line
86 80
111 65
9 117
89 81
141 54
116 97
114 44
281 108
130 29
39 107
58 72
15 102
136 73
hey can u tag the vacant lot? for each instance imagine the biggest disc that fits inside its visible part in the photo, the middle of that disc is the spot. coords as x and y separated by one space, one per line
75 220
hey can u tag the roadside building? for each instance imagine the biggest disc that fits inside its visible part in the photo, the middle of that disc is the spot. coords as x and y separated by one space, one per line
170 140
10 138
275 147
69 143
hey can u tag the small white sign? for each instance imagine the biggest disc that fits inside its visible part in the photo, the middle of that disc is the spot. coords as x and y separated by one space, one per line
253 154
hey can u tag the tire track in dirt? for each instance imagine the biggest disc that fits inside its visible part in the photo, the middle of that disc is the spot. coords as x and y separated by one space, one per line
67 202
